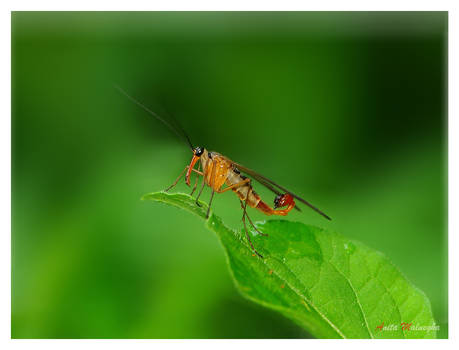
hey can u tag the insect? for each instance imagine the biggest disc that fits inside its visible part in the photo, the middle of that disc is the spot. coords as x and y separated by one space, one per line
222 174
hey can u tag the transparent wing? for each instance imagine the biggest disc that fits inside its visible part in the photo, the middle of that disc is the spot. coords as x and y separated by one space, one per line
271 185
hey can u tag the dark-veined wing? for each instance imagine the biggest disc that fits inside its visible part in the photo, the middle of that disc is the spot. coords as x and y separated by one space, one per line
271 185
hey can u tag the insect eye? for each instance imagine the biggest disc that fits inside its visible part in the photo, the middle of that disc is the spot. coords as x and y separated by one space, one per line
198 151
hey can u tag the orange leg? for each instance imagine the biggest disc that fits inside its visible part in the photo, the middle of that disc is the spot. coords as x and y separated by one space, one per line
197 178
180 176
202 188
243 182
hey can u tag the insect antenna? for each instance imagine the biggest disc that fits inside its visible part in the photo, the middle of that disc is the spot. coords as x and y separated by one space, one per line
177 129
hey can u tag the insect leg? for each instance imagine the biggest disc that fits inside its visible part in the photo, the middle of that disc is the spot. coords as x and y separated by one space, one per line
197 178
246 214
246 232
200 192
211 184
210 202
180 176
251 223
204 182
250 220
176 180
234 186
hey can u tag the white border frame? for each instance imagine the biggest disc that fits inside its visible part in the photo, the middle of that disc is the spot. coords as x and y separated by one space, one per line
234 5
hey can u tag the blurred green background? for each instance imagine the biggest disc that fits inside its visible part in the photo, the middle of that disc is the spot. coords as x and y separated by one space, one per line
347 109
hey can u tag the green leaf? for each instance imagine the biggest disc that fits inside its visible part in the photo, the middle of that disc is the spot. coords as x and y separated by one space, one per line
331 286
